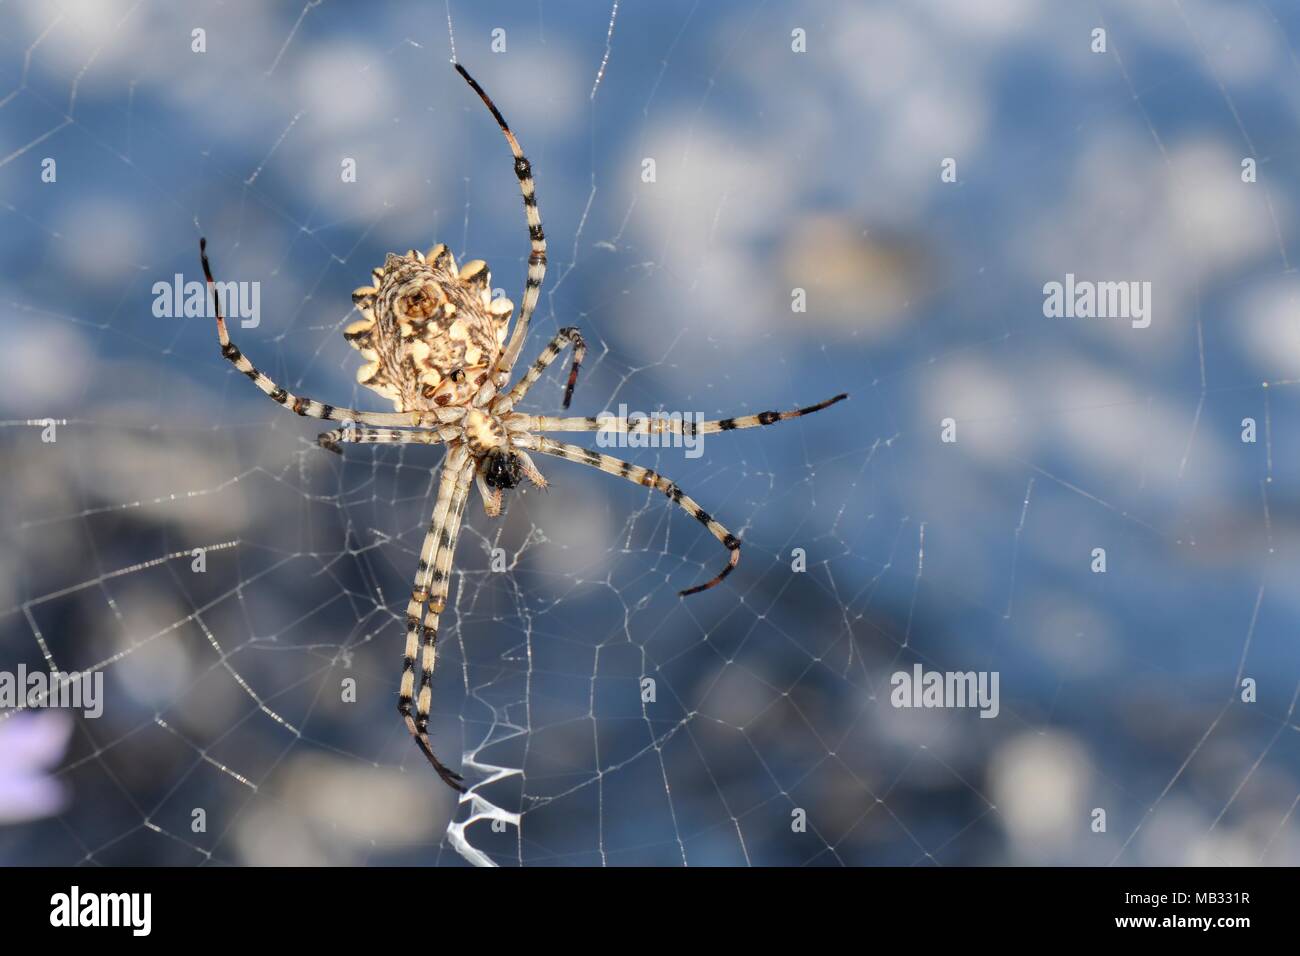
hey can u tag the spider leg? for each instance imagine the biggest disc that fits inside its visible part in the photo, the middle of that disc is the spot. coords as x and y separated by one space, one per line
455 469
659 426
537 256
331 440
651 479
299 404
437 602
565 337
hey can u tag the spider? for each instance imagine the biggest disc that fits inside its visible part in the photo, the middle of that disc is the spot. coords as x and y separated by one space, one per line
435 344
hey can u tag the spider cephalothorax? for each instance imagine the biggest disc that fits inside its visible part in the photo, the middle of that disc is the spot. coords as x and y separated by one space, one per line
498 465
435 345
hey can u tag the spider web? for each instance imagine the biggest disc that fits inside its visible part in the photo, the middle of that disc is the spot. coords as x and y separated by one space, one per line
261 689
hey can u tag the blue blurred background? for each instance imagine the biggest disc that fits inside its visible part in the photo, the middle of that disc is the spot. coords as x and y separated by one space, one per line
774 171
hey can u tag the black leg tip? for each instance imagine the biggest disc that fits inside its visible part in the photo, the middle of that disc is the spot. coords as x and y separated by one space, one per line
451 778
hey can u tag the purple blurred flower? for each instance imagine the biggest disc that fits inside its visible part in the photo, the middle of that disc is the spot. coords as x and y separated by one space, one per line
31 742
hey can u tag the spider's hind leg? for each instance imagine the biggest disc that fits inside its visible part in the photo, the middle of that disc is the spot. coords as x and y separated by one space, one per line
360 435
431 588
450 777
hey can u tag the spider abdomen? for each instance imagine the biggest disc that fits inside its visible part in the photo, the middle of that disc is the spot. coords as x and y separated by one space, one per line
430 332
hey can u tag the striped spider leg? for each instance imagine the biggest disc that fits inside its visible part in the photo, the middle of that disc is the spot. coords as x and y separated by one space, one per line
331 440
300 404
524 427
434 569
565 337
650 479
537 254
661 426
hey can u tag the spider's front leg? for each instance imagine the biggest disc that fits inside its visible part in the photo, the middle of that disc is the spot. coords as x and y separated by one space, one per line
536 236
298 404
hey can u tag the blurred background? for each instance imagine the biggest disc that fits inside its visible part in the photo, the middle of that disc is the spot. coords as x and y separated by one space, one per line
249 714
